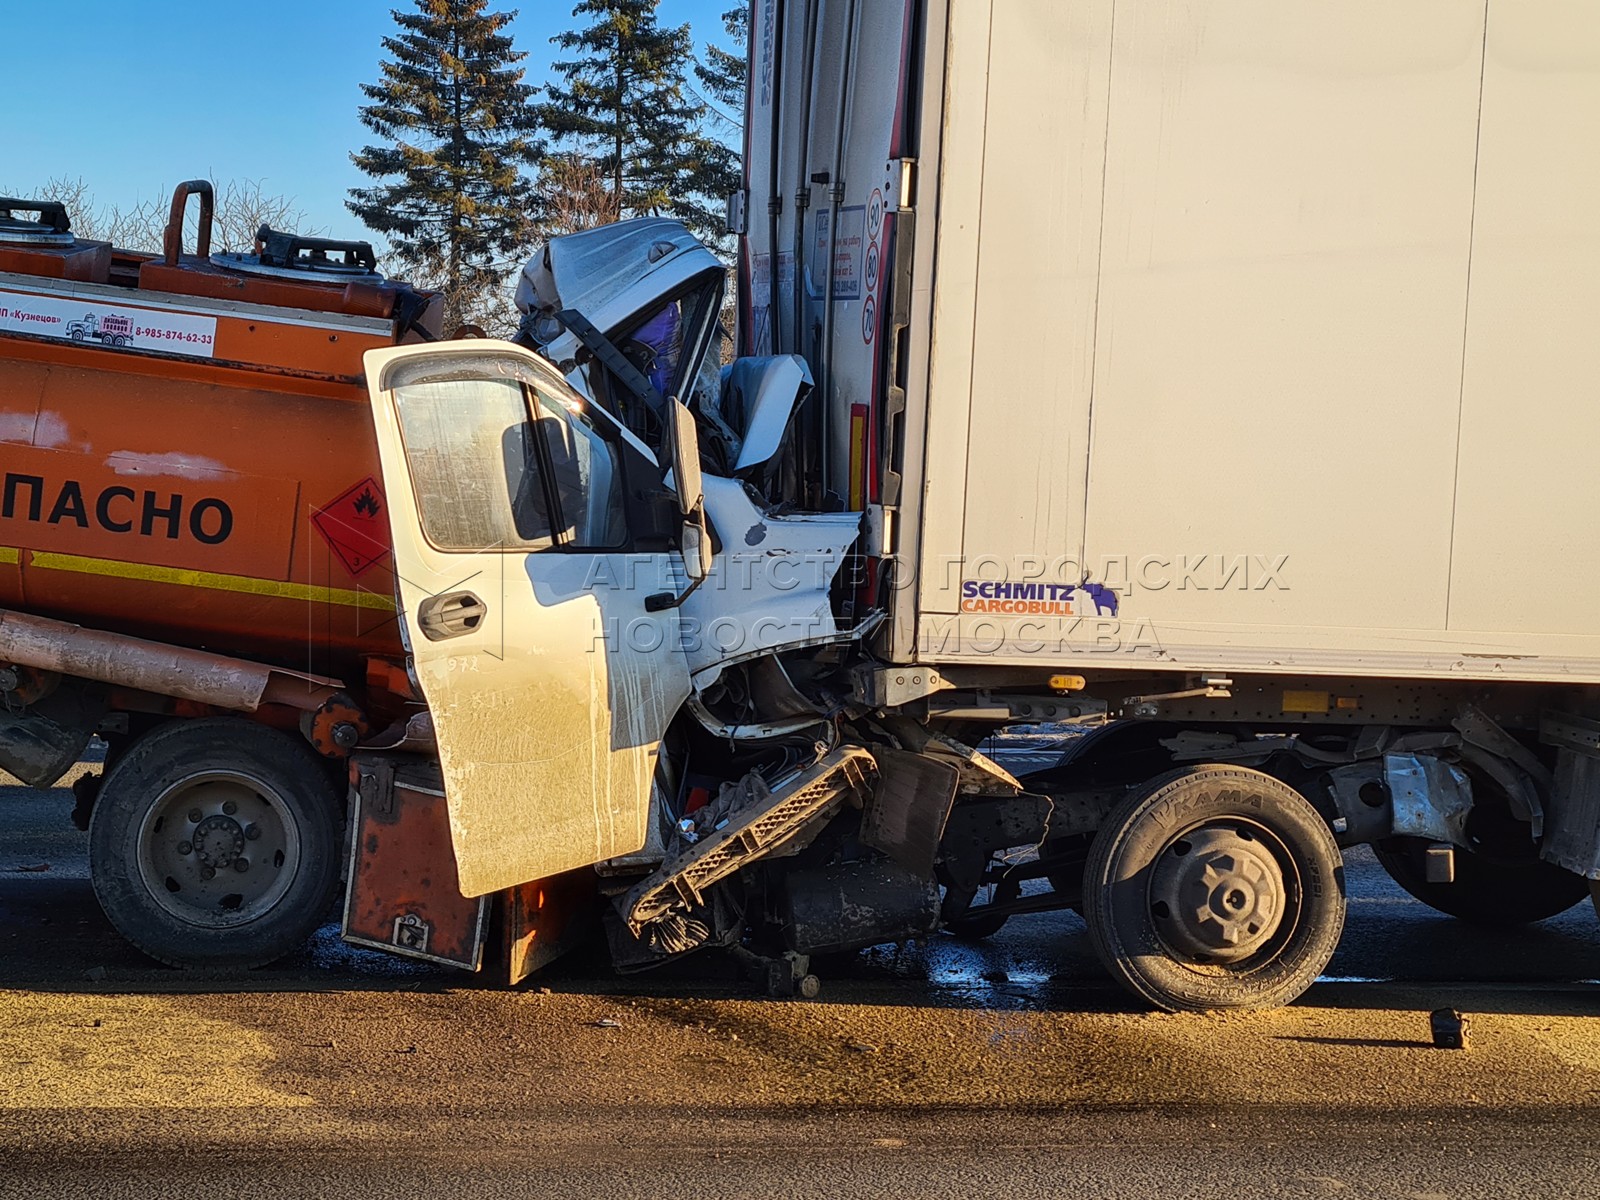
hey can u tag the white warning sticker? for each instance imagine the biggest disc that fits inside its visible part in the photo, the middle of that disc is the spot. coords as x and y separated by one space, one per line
90 319
847 258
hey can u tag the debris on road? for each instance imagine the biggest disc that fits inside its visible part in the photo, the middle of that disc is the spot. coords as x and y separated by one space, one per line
1449 1029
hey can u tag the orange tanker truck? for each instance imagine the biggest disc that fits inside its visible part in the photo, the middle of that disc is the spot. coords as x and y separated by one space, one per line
187 457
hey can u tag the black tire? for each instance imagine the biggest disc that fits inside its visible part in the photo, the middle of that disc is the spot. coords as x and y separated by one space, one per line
975 929
1147 840
985 924
1501 894
142 836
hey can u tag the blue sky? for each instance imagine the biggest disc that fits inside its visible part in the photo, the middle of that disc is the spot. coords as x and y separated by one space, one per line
137 95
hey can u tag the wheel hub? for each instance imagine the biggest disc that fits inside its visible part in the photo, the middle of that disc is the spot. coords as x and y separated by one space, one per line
1217 894
218 841
218 849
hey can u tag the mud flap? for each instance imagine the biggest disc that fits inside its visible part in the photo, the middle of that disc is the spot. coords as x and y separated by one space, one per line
547 918
403 894
907 813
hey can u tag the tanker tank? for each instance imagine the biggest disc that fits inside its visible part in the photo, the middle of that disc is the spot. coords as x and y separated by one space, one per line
186 450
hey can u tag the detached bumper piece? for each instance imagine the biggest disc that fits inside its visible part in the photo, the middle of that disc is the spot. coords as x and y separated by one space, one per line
661 910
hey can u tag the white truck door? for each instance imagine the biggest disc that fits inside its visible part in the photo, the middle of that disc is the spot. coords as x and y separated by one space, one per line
528 536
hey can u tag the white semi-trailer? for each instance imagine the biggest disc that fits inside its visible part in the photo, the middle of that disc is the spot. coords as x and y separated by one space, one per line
1273 317
1274 320
1215 374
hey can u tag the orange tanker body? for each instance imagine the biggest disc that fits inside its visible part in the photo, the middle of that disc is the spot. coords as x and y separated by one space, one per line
186 451
195 565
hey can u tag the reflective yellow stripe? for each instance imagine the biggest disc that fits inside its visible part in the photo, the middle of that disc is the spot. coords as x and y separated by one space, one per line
277 589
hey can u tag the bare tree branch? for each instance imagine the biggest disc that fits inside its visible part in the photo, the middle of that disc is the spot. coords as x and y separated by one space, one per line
242 207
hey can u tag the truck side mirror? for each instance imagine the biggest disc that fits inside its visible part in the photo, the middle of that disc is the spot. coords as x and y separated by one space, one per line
685 441
697 547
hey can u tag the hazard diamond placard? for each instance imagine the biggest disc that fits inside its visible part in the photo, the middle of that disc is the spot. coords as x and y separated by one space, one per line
356 526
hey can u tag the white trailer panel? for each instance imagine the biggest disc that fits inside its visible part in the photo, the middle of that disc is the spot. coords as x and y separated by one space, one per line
1210 326
1269 320
1523 557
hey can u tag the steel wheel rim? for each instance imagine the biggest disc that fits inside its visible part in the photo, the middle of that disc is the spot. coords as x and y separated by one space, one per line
191 867
1230 892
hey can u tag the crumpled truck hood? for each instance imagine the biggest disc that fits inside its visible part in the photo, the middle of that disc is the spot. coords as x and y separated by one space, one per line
611 275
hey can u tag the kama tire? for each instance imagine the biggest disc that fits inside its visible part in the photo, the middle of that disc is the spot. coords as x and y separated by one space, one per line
1215 887
215 843
1485 891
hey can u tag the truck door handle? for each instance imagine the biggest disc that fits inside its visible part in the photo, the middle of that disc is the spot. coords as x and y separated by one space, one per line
450 615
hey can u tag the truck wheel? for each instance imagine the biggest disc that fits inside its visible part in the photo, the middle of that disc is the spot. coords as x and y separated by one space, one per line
985 924
1486 891
1214 887
215 843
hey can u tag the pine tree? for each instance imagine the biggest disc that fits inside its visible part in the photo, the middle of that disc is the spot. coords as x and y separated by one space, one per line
723 76
458 125
623 103
724 73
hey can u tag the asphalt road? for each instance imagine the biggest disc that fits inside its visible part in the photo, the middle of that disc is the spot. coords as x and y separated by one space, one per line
1006 1068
